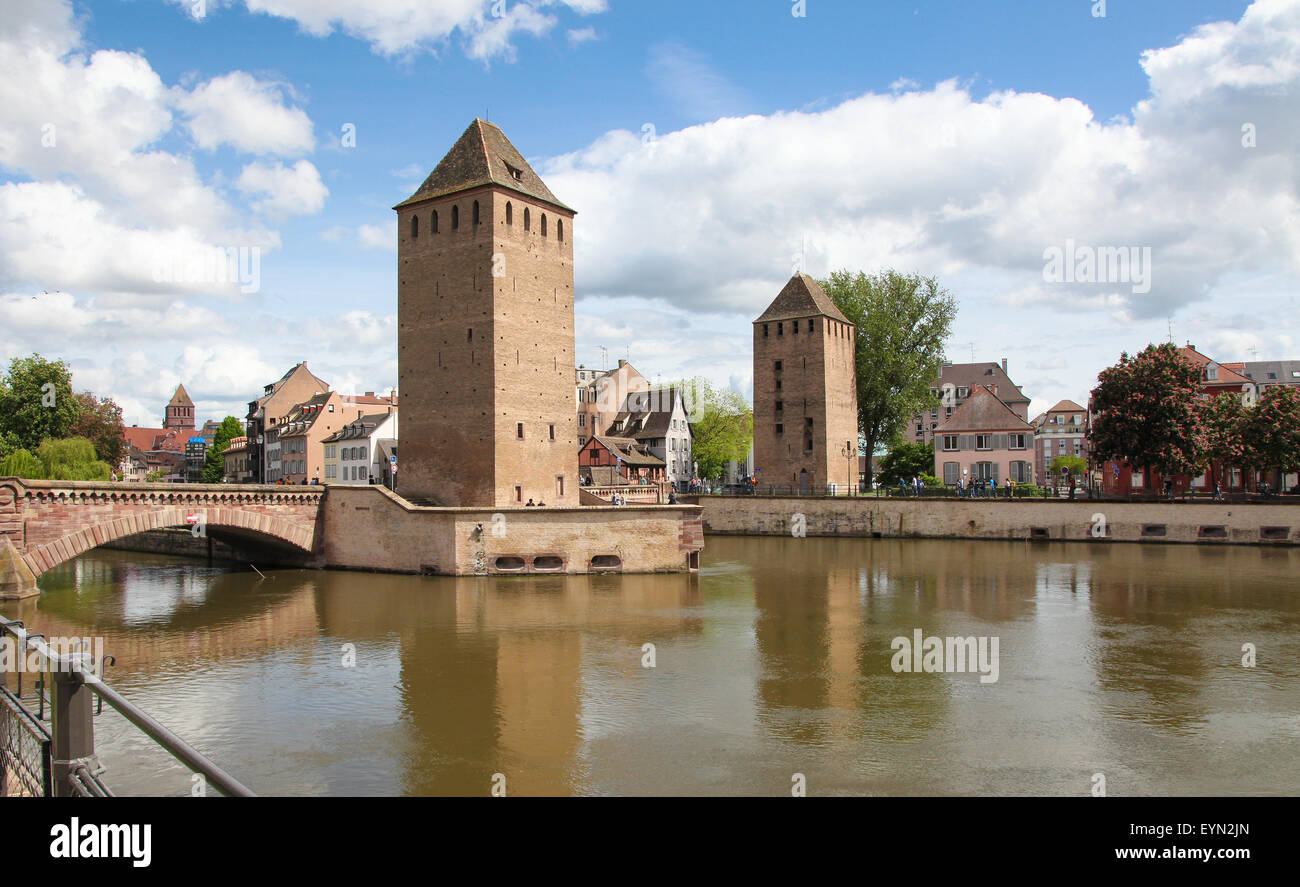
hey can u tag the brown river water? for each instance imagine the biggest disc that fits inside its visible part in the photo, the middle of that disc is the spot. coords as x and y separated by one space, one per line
775 666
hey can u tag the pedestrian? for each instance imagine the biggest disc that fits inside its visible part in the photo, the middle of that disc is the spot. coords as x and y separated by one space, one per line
1218 492
530 504
902 487
1008 487
541 504
672 497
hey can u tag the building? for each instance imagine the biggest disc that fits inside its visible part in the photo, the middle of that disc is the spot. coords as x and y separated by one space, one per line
1061 431
608 461
235 457
300 435
486 341
265 413
161 451
955 383
805 391
196 451
1267 373
984 440
657 420
353 454
1217 380
180 411
601 394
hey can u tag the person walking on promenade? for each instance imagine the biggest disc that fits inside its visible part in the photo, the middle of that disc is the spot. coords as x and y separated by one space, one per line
1008 487
1218 491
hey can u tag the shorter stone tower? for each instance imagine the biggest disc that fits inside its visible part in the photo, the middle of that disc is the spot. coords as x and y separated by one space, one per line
805 392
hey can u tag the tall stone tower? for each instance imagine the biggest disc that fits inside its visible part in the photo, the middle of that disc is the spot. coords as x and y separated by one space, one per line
805 391
485 332
180 411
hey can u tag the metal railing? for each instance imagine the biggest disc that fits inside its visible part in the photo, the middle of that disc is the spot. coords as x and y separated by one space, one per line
59 760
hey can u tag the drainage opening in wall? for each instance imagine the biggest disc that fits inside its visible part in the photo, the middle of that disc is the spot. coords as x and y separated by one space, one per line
428 569
548 563
1153 530
1213 532
510 564
1039 533
606 562
1274 534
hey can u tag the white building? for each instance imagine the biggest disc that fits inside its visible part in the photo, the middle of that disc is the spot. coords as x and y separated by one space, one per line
354 454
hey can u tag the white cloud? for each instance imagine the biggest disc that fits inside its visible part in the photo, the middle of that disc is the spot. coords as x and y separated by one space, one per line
376 237
392 27
249 114
579 36
284 190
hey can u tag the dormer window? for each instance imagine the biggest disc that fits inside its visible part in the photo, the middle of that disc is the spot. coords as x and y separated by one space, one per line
516 174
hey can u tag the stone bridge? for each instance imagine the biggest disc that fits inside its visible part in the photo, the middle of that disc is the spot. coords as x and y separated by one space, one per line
44 523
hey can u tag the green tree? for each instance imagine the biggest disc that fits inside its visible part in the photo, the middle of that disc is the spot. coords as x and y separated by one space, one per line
901 323
722 425
9 444
72 458
1147 414
906 461
100 421
214 464
36 400
1271 430
21 463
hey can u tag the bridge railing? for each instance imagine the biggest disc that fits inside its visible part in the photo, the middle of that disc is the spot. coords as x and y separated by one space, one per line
59 760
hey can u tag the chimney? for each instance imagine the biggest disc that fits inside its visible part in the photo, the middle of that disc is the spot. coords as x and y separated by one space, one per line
370 394
622 363
1004 364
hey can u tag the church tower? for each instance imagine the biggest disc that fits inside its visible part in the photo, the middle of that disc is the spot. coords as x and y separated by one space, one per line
180 411
805 392
485 332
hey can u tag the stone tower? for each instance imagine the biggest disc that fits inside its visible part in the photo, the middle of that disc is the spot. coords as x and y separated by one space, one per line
485 332
180 411
805 391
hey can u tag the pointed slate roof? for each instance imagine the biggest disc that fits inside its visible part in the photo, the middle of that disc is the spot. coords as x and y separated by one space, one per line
1067 406
483 156
801 297
181 398
983 411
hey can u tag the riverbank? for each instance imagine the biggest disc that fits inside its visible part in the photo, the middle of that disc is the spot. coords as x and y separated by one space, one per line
1207 523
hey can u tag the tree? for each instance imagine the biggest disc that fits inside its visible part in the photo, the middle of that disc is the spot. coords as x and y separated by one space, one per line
21 463
36 400
100 421
901 323
722 425
9 444
72 458
1222 418
214 463
1147 414
1270 431
906 461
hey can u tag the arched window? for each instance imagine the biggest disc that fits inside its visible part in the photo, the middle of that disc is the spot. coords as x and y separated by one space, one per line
415 227
475 212
433 222
543 224
559 230
510 213
455 217
527 220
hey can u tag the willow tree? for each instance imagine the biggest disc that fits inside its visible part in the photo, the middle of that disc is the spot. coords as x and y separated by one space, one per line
902 321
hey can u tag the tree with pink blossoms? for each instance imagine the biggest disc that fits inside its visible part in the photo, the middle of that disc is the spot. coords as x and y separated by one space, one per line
1271 431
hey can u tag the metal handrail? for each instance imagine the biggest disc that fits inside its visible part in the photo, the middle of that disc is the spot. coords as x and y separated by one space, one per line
73 664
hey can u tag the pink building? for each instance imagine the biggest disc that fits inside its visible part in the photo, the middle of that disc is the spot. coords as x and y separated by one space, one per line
984 440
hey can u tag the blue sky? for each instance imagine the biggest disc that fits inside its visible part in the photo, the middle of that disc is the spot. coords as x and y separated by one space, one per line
954 138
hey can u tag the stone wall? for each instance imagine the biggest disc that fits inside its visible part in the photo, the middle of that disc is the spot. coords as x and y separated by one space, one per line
368 528
1211 523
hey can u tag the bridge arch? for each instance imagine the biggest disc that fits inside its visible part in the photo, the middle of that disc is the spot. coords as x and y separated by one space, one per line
43 557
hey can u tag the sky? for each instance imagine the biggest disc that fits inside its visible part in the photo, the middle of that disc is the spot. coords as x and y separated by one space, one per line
710 149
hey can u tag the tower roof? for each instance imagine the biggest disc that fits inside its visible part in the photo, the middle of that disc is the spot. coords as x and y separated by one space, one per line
483 156
801 297
181 398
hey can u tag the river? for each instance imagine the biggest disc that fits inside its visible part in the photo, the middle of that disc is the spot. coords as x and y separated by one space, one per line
771 669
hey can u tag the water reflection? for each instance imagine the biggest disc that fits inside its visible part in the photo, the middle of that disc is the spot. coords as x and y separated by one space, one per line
774 660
